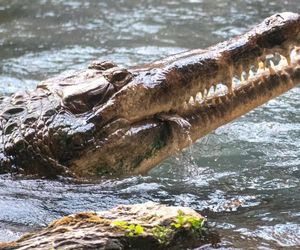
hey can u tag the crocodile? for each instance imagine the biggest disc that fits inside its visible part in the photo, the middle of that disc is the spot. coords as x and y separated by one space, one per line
111 120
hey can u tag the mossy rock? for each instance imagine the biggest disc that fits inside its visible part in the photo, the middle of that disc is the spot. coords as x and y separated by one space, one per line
140 226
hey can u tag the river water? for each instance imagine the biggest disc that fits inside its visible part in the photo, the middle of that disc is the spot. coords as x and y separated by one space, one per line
245 176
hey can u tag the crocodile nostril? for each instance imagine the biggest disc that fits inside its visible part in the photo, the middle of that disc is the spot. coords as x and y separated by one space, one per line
280 16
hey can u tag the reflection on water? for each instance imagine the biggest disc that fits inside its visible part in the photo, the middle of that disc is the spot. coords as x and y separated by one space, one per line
244 177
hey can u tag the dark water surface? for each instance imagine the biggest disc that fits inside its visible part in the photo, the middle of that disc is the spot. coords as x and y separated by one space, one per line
245 177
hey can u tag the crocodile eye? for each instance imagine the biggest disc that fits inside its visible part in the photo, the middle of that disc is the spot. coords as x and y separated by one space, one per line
119 77
81 97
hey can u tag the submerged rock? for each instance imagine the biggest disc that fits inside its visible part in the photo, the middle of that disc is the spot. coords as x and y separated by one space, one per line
140 226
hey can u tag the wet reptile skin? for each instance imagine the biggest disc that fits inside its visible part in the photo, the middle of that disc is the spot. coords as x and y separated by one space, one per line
45 128
107 119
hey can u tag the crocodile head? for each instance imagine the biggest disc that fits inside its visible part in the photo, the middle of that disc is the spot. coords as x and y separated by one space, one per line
109 119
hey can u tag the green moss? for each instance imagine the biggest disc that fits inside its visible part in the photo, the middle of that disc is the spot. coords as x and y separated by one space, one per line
82 217
131 229
192 225
187 221
182 221
162 234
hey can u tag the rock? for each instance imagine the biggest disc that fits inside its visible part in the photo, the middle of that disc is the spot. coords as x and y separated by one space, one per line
140 226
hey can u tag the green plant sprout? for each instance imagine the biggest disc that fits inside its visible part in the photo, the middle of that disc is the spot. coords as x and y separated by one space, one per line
162 234
182 221
132 229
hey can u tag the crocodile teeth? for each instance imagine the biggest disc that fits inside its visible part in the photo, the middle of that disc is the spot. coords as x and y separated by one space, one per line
199 97
251 73
283 61
210 92
191 101
272 68
243 78
261 67
295 55
237 77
